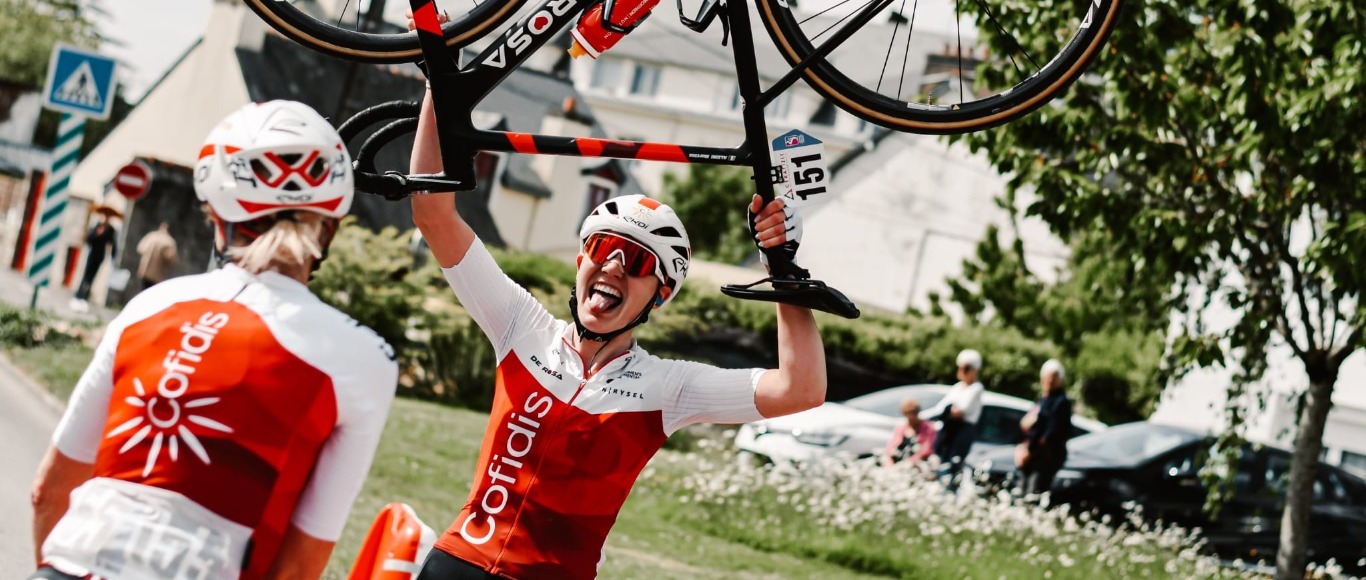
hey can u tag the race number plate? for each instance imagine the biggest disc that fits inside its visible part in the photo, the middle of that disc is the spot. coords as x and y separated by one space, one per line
801 159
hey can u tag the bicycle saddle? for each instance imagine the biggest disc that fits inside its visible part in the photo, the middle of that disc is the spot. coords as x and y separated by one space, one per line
812 294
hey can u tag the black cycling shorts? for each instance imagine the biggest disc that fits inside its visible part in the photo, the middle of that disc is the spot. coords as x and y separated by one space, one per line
443 566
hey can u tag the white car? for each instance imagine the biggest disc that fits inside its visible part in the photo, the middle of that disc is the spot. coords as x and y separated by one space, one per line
861 426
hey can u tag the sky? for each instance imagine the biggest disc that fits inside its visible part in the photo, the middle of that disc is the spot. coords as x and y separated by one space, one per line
150 35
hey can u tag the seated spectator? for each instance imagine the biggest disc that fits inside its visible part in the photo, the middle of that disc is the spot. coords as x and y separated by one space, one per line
913 440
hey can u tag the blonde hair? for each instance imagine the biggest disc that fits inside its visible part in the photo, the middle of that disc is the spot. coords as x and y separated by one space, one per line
289 244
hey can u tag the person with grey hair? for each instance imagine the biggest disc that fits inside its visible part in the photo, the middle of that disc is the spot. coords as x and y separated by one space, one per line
958 413
1046 434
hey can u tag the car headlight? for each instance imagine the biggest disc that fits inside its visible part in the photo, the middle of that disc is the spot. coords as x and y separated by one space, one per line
819 438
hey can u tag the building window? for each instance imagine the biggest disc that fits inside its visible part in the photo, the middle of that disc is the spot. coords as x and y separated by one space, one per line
824 115
1354 462
606 74
645 80
776 109
599 190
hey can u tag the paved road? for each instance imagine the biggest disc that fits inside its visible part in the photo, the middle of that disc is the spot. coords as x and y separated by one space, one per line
27 419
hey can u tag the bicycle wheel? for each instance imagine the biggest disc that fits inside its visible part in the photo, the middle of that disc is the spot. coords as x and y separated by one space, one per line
889 73
362 32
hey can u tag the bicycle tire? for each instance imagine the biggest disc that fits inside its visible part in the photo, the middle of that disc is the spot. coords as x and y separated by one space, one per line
378 48
893 113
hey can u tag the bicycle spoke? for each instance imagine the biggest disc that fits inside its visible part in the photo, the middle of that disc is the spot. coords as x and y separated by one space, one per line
841 20
992 17
896 25
958 21
808 19
342 15
907 55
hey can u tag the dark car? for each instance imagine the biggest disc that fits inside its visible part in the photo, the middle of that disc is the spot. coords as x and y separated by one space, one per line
1157 467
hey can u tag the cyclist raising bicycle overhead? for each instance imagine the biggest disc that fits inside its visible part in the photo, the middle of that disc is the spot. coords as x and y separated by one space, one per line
228 419
579 407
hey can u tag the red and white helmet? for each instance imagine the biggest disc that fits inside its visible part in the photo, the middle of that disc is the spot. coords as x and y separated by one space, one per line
651 223
271 157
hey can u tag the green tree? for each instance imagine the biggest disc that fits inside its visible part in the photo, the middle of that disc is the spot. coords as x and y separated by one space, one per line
1220 139
711 201
31 28
1105 313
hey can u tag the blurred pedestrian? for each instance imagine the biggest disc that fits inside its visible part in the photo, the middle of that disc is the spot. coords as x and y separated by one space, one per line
958 413
157 250
912 441
102 239
1047 428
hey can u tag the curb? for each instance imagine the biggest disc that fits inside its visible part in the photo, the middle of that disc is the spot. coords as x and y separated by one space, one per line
10 371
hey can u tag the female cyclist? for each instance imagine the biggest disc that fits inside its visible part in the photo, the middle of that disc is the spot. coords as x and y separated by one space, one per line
228 419
579 407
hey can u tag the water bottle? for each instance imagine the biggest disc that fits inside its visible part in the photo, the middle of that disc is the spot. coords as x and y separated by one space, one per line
592 38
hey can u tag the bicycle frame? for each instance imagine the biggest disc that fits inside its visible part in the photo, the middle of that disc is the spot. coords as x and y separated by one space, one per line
456 91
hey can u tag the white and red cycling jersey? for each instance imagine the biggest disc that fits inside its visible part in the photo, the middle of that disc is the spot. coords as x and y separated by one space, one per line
218 410
562 450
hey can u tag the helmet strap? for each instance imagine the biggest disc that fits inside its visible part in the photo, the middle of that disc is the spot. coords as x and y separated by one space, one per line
585 334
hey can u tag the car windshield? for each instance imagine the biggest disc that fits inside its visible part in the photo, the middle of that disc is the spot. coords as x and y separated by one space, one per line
888 401
1134 442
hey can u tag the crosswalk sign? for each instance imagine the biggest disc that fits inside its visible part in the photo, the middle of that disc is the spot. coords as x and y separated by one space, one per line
79 82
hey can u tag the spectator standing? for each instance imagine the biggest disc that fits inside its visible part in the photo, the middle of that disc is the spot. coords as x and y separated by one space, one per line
101 239
157 250
958 413
913 439
1047 434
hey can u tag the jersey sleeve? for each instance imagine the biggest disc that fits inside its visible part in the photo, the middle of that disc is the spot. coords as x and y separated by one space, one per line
346 456
82 425
707 394
498 305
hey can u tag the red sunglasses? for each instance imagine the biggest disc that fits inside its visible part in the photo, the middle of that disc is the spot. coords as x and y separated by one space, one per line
638 260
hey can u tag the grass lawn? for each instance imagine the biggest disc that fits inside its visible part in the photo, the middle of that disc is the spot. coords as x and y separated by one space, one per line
427 457
673 529
57 366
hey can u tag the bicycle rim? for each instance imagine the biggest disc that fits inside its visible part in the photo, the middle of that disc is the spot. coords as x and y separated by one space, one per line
921 65
371 30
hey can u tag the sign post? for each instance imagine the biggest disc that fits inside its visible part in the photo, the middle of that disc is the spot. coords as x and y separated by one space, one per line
80 84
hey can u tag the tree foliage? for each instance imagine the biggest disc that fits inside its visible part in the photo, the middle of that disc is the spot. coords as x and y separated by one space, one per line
711 200
1105 319
1220 140
31 28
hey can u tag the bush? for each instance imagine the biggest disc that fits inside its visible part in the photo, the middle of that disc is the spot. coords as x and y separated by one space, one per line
444 356
25 328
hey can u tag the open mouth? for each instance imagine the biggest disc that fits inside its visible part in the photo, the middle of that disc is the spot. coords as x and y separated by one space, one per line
602 299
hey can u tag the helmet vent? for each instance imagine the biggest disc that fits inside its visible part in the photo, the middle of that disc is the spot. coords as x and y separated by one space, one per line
667 232
291 186
291 158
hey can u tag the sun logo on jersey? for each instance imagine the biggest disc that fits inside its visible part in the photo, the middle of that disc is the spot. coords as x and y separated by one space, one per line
164 416
167 410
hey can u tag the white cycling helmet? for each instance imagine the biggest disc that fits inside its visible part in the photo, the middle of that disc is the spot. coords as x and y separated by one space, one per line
271 157
651 223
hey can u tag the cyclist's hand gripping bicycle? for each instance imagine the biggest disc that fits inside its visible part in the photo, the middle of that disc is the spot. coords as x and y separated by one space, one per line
833 50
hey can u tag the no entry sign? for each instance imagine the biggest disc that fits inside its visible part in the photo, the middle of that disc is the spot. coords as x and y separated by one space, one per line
133 180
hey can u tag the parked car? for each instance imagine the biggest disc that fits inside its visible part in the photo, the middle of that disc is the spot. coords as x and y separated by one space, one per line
1157 467
860 427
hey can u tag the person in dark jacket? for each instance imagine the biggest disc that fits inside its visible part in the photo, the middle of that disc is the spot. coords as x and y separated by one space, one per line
103 237
1048 432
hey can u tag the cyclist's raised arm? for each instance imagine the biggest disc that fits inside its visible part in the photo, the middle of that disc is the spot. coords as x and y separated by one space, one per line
798 383
434 213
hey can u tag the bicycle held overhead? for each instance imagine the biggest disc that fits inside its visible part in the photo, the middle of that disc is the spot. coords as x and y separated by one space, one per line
842 31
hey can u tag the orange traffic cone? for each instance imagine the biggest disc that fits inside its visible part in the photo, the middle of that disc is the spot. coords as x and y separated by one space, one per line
395 546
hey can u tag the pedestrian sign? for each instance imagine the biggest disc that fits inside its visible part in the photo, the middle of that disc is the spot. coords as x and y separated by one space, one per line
79 82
